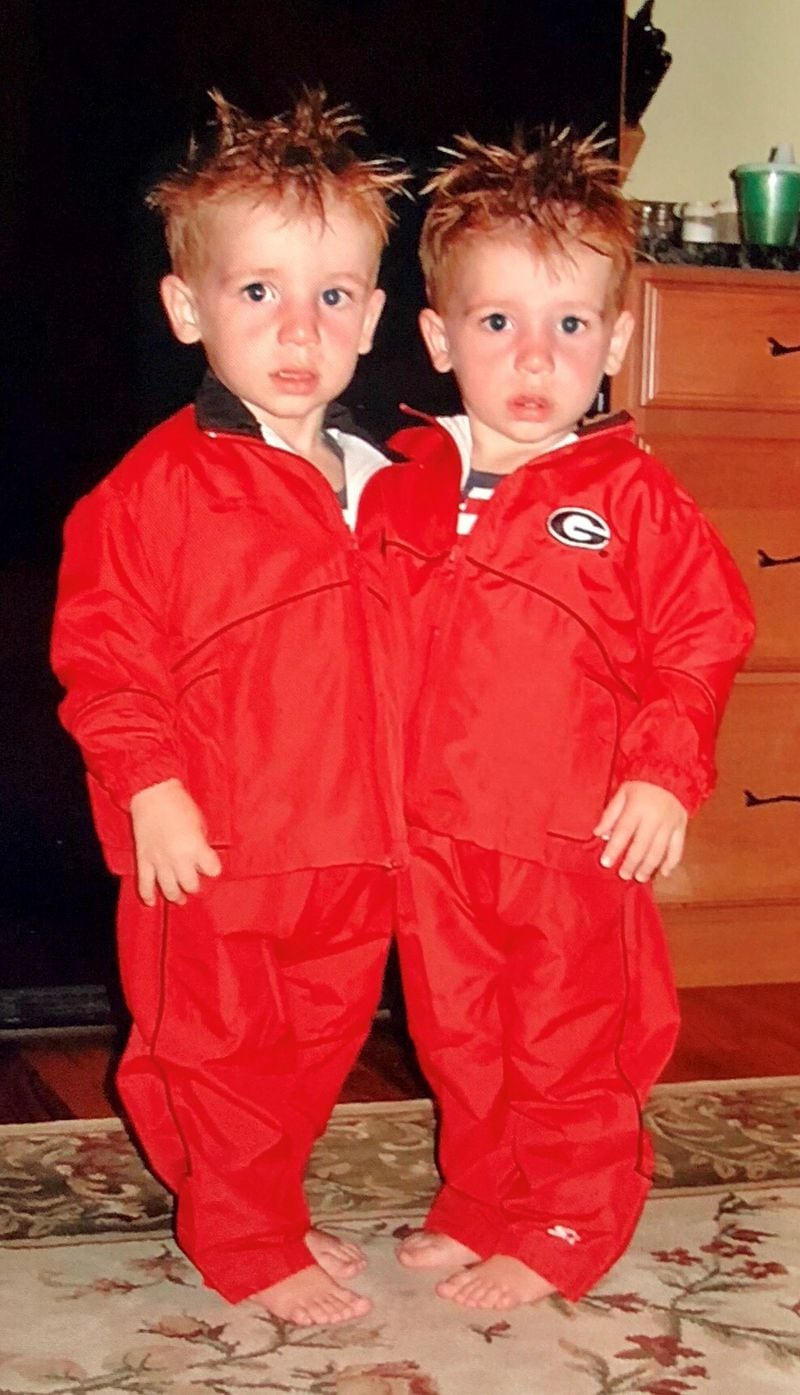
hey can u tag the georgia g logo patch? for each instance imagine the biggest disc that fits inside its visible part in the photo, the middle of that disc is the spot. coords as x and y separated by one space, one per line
578 527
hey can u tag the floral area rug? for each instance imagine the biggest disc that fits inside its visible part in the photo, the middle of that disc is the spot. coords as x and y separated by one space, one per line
95 1297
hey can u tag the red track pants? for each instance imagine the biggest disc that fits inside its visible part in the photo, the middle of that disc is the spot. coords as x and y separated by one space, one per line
250 1003
543 1010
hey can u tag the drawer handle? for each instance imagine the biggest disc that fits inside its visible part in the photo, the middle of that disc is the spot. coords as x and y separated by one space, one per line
751 800
764 560
778 350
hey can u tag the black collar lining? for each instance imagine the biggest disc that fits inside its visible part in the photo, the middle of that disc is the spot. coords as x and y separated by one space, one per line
216 408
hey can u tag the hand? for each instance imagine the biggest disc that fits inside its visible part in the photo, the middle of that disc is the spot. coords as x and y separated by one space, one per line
170 840
648 825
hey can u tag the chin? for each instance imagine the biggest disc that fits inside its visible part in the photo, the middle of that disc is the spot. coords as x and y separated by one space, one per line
528 433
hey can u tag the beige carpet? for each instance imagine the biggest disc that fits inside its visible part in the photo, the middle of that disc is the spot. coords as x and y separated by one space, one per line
94 1296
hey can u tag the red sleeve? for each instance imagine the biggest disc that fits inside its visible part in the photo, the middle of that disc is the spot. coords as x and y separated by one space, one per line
697 625
110 650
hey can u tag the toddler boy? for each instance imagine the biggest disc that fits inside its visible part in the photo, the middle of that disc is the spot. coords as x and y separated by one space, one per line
572 627
222 655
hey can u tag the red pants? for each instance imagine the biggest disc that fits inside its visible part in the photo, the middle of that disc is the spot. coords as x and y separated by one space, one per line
543 1010
250 1003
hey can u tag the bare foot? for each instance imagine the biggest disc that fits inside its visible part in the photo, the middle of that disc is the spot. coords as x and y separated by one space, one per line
311 1297
339 1258
429 1249
500 1283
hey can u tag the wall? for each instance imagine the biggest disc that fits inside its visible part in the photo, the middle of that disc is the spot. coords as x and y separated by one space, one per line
732 92
97 111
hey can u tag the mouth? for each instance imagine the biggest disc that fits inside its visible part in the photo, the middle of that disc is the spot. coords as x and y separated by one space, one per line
530 406
296 381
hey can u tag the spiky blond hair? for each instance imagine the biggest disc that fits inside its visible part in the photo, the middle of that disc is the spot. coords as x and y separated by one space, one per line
554 189
305 154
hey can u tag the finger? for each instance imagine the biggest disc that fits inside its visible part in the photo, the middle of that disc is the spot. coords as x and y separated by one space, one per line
624 831
636 851
653 857
186 876
168 884
674 851
208 862
146 882
610 815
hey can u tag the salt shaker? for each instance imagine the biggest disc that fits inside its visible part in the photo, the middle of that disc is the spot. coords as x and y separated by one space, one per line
726 221
698 222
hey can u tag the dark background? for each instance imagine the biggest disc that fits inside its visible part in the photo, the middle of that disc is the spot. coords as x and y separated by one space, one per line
99 99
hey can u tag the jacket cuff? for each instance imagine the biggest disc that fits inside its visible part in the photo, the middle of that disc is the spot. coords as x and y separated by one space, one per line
691 788
691 793
133 775
673 747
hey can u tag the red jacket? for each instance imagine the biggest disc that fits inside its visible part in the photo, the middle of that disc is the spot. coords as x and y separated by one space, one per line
585 632
217 622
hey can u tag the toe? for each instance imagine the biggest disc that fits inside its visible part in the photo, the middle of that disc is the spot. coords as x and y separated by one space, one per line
336 1306
473 1296
352 1251
456 1287
411 1251
490 1297
406 1257
318 1314
411 1242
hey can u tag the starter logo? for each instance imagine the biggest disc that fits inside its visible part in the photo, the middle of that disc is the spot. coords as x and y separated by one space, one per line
577 527
566 1233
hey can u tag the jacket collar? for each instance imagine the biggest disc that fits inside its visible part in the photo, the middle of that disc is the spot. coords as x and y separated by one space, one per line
452 433
621 423
216 408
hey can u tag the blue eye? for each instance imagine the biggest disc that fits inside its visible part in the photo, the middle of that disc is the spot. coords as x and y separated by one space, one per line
332 296
496 322
256 292
571 324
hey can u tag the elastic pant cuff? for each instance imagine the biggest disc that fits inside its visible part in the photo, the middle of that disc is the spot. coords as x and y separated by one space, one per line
247 1272
470 1222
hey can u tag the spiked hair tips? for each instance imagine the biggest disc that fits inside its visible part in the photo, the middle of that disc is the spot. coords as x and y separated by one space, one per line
550 190
305 154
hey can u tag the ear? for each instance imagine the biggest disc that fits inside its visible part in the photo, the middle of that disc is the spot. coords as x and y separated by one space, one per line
179 302
373 313
620 339
432 329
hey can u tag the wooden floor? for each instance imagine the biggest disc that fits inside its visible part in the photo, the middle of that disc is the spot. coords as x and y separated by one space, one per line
727 1033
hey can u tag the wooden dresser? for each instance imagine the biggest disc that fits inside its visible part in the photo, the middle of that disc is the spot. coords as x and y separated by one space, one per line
718 401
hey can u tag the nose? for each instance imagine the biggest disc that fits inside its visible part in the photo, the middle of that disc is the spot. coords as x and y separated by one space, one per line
299 324
535 352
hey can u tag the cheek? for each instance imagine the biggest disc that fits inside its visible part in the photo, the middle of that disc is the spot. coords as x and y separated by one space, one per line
344 336
479 357
239 331
583 357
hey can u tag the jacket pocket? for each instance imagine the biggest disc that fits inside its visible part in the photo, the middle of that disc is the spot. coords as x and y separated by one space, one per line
201 735
587 759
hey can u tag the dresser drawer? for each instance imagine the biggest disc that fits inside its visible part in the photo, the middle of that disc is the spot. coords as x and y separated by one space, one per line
711 345
750 491
743 845
721 410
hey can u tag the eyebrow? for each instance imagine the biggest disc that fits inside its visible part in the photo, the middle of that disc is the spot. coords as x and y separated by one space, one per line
248 274
474 306
273 273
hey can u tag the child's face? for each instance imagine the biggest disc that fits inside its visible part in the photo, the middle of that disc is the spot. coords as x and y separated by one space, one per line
284 304
528 339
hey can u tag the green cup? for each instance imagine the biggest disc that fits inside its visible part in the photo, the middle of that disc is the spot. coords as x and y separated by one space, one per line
769 203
